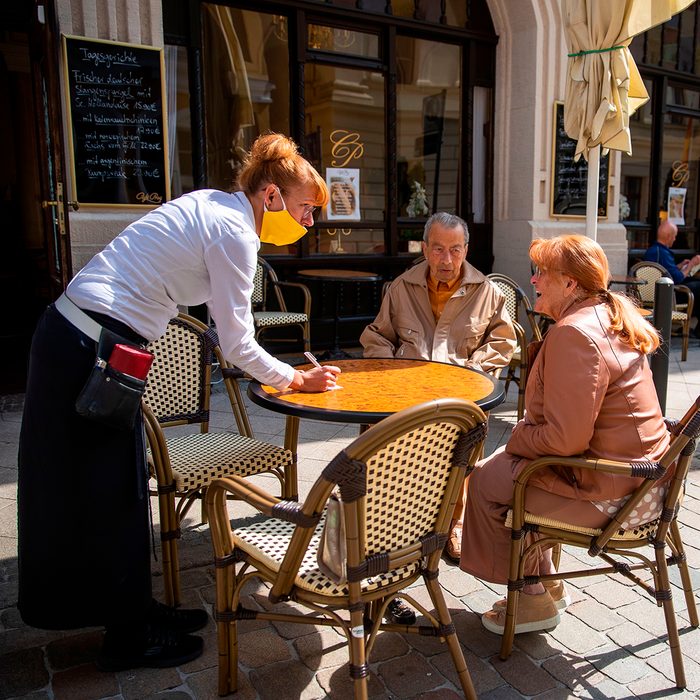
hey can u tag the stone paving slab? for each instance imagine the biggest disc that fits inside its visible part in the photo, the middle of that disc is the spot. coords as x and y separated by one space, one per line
610 644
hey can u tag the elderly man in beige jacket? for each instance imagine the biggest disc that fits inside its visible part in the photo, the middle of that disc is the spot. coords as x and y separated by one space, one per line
443 309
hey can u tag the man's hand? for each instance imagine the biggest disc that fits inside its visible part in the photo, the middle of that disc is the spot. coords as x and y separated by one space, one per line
316 379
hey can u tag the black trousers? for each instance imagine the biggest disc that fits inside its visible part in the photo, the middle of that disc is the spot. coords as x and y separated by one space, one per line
84 556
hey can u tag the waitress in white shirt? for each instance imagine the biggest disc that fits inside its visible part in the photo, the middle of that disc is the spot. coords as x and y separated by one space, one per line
84 555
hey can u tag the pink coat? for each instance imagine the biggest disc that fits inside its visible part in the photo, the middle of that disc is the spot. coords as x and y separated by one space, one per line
588 393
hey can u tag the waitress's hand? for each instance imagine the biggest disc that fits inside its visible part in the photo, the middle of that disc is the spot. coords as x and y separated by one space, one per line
316 379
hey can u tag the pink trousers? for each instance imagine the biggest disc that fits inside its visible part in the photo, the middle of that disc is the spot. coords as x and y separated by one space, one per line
486 539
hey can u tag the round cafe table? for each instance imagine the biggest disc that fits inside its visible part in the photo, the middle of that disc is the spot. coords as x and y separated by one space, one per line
373 389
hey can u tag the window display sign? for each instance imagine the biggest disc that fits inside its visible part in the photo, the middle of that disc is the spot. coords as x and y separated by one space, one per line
116 108
676 205
344 189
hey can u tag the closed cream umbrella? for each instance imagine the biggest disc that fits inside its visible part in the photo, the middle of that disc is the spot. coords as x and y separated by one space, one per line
603 86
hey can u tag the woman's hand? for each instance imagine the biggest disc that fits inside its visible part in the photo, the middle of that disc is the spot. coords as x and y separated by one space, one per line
316 379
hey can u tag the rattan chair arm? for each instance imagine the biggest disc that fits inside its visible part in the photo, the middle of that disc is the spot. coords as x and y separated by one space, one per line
691 297
155 440
298 285
243 489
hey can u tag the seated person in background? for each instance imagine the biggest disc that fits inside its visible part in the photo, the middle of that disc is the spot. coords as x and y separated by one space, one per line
444 309
660 252
590 371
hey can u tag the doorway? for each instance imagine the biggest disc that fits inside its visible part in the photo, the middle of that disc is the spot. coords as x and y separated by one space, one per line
33 261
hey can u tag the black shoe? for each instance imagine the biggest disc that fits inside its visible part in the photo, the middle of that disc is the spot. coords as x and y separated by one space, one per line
400 613
176 619
152 648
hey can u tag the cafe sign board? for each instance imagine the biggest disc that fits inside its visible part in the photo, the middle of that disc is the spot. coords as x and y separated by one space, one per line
118 134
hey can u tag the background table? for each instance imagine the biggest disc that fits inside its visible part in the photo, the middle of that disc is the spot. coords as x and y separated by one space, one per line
338 277
630 283
374 389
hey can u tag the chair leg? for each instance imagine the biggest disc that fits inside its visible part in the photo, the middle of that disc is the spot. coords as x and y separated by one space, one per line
445 619
169 534
686 333
663 593
306 333
359 669
674 535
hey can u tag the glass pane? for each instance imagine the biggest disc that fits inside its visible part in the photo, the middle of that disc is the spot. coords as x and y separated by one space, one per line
481 152
337 241
428 126
179 123
635 171
637 49
679 194
654 46
670 43
345 139
684 97
246 85
685 47
343 41
457 13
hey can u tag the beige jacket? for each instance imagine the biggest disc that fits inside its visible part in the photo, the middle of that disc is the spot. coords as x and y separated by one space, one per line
474 329
588 394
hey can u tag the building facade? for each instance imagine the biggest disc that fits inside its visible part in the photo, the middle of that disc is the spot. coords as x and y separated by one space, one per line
404 106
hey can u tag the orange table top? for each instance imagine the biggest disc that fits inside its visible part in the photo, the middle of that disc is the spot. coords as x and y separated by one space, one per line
373 389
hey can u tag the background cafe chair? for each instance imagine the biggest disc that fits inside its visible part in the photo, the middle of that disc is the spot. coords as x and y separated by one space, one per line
621 547
399 482
264 318
681 313
520 310
177 394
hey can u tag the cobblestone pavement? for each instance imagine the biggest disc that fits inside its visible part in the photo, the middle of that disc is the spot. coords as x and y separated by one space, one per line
610 643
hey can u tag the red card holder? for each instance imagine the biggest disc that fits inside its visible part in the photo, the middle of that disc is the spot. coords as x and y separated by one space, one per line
130 360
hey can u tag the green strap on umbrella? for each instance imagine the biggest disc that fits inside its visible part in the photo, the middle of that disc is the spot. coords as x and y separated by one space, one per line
583 53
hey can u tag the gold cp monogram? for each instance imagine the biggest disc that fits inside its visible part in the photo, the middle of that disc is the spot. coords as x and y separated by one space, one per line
346 147
680 173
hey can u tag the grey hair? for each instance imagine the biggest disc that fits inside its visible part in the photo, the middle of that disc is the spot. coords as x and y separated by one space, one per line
448 221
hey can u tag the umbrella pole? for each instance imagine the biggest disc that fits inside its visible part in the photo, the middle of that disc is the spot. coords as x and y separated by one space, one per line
592 193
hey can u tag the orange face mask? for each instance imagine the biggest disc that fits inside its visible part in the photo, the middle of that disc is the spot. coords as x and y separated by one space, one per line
280 227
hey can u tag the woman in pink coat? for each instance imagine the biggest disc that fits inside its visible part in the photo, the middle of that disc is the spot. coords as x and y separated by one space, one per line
590 392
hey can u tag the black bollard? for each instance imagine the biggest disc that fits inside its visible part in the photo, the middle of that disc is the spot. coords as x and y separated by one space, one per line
663 306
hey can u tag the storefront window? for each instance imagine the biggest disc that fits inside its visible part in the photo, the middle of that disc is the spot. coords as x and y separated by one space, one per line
246 85
428 128
179 127
679 195
345 127
636 176
345 41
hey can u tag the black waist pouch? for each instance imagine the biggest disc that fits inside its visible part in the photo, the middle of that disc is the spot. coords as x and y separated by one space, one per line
110 396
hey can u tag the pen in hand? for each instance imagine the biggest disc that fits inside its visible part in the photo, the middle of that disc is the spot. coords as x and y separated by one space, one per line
316 363
312 359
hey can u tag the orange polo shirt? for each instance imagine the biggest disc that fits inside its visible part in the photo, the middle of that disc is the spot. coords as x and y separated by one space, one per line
440 292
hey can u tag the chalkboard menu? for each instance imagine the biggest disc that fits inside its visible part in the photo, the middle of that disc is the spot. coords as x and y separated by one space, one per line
117 127
569 179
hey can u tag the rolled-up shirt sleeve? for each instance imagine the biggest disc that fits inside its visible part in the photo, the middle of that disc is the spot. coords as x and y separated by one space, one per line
231 263
575 380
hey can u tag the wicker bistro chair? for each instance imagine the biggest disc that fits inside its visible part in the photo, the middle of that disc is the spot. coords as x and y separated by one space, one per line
399 482
681 313
520 310
619 546
183 466
264 319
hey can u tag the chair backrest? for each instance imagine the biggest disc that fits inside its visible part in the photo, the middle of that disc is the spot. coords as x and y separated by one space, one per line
651 272
399 482
517 303
265 277
178 388
681 450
